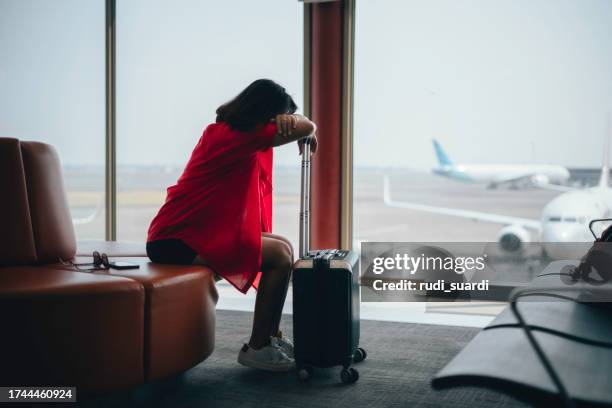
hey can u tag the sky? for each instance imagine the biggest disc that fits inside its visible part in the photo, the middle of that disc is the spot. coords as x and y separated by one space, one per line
493 80
514 81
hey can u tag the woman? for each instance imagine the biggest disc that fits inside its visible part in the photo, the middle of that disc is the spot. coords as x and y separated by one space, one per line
219 213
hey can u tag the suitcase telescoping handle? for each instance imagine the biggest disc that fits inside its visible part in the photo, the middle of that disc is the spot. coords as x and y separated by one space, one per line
305 200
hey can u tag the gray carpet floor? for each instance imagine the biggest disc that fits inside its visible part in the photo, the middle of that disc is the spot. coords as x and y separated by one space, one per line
402 358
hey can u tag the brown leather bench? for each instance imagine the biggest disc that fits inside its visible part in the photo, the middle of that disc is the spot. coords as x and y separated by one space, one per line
177 318
70 328
97 331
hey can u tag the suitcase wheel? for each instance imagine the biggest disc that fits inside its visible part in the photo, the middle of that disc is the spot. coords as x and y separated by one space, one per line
360 355
304 373
349 375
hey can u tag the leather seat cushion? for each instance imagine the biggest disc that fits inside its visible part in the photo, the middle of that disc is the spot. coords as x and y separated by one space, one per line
17 239
70 328
180 313
51 221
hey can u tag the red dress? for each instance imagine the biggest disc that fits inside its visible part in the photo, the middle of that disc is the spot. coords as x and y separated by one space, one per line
223 201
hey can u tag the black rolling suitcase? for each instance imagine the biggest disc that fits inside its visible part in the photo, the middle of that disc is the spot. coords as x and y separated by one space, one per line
325 300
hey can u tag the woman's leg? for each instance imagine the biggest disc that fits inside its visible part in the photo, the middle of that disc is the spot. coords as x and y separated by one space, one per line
280 238
198 260
276 267
275 327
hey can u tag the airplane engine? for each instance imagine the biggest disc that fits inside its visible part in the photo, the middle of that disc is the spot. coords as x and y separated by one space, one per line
540 179
512 237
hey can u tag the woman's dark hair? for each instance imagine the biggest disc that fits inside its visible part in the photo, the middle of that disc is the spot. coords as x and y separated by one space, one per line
256 105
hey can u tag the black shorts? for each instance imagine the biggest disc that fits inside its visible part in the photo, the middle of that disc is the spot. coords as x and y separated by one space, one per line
170 251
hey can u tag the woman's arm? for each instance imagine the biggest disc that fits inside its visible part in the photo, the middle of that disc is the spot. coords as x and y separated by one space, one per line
293 127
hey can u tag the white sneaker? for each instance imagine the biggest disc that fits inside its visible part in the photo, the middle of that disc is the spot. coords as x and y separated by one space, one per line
284 344
269 358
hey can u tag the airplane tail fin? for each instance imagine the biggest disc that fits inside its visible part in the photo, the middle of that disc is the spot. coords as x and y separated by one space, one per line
605 167
443 159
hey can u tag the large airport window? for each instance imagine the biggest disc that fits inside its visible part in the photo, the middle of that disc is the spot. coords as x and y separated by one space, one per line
176 63
480 119
52 90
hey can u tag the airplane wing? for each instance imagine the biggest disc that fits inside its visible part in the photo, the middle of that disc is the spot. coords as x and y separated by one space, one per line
89 218
474 215
529 179
554 187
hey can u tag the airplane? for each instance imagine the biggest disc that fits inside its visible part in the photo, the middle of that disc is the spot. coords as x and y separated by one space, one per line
497 174
91 217
565 218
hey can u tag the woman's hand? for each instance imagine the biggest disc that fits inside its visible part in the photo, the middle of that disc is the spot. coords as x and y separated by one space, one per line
290 128
285 124
313 144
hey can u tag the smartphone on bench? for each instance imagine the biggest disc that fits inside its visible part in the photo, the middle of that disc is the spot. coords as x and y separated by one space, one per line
120 265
